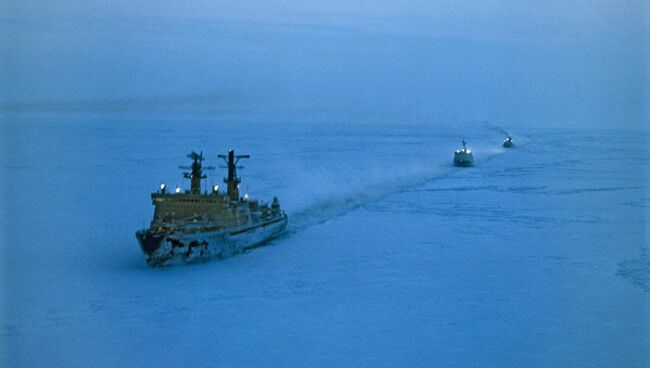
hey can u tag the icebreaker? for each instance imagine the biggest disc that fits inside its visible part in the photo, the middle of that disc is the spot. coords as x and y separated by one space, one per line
463 157
191 226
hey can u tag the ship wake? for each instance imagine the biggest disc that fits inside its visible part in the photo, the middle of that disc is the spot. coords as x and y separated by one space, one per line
331 203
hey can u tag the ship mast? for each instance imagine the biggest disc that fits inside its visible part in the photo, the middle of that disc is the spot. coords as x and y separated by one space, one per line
196 173
232 180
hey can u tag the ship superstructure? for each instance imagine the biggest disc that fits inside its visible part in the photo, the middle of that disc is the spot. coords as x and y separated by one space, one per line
191 226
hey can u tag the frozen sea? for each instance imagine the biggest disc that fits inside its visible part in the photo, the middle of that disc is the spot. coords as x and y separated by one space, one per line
536 257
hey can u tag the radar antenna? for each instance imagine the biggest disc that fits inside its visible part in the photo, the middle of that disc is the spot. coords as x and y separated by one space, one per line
232 180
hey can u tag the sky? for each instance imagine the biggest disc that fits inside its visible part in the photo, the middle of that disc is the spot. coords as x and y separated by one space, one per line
578 63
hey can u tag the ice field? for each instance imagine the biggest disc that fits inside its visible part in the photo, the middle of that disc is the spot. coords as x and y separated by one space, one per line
536 257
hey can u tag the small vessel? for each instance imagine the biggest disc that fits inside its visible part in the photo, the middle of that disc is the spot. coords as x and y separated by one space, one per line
189 226
508 143
463 157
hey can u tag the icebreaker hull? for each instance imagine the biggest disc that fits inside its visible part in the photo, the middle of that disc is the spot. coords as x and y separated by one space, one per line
463 159
165 248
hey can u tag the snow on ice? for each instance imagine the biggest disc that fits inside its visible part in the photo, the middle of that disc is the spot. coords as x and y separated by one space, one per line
535 257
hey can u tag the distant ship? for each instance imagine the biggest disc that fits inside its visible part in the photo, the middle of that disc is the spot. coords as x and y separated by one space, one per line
508 143
463 157
190 226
